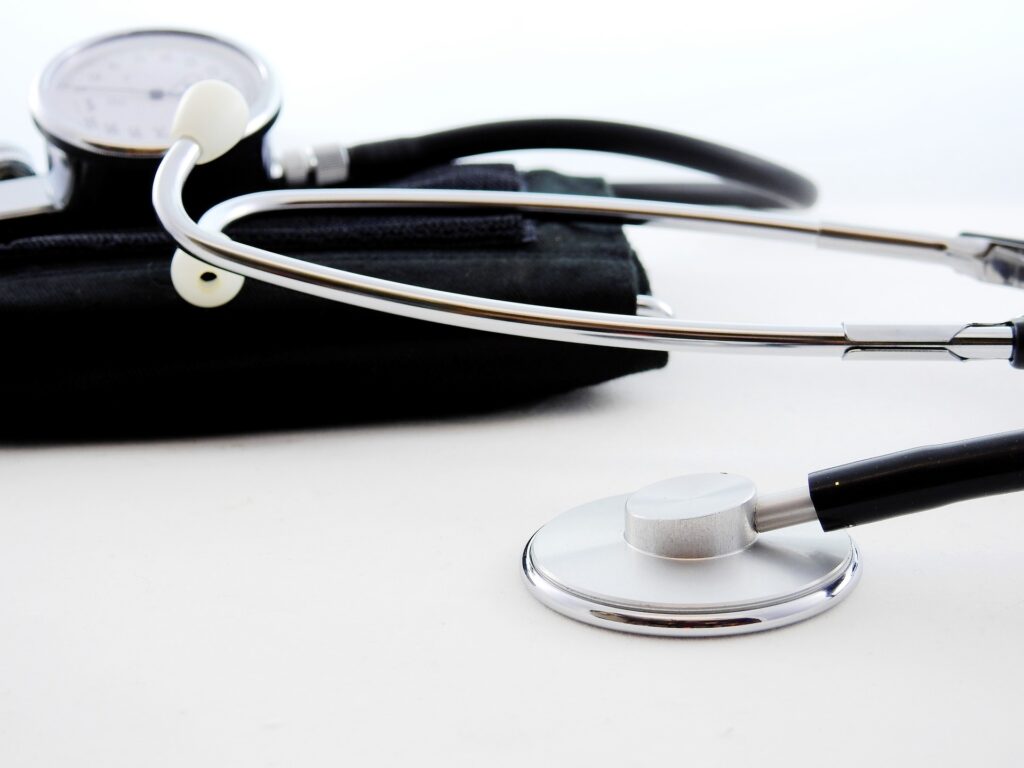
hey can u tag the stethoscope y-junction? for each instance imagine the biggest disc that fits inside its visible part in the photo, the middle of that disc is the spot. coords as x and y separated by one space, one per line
696 555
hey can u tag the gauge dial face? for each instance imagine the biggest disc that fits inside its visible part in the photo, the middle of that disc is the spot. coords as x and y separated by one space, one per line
117 95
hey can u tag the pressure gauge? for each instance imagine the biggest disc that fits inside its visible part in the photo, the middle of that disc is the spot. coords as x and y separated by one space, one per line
116 95
105 108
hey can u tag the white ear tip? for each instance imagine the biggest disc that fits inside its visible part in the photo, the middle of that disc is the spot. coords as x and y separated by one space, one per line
202 285
214 115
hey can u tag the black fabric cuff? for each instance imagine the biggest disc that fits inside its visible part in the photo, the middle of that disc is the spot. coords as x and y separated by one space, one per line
98 344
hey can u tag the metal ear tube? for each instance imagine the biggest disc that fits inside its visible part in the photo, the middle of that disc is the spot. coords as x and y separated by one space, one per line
984 258
697 555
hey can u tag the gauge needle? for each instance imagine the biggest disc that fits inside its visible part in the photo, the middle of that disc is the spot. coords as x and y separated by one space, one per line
154 93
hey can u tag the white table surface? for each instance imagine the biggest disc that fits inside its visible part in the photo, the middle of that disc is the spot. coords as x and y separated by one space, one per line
352 596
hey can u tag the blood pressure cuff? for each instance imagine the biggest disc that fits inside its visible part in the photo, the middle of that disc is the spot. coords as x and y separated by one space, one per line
97 344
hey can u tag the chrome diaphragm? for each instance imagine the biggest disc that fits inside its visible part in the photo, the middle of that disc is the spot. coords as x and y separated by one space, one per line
682 558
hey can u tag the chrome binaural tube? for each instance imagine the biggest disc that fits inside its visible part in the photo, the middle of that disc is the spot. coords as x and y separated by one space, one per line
206 241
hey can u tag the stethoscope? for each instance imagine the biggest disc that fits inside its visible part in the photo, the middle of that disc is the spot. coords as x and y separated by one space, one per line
696 555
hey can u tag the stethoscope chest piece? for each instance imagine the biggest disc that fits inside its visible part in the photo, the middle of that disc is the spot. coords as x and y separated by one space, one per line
682 558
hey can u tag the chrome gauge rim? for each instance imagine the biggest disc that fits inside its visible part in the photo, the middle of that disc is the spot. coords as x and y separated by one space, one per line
59 128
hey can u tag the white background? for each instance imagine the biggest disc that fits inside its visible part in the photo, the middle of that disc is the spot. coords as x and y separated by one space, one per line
352 596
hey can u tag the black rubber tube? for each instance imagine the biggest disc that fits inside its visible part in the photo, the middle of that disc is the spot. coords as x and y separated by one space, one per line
921 478
699 194
387 160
